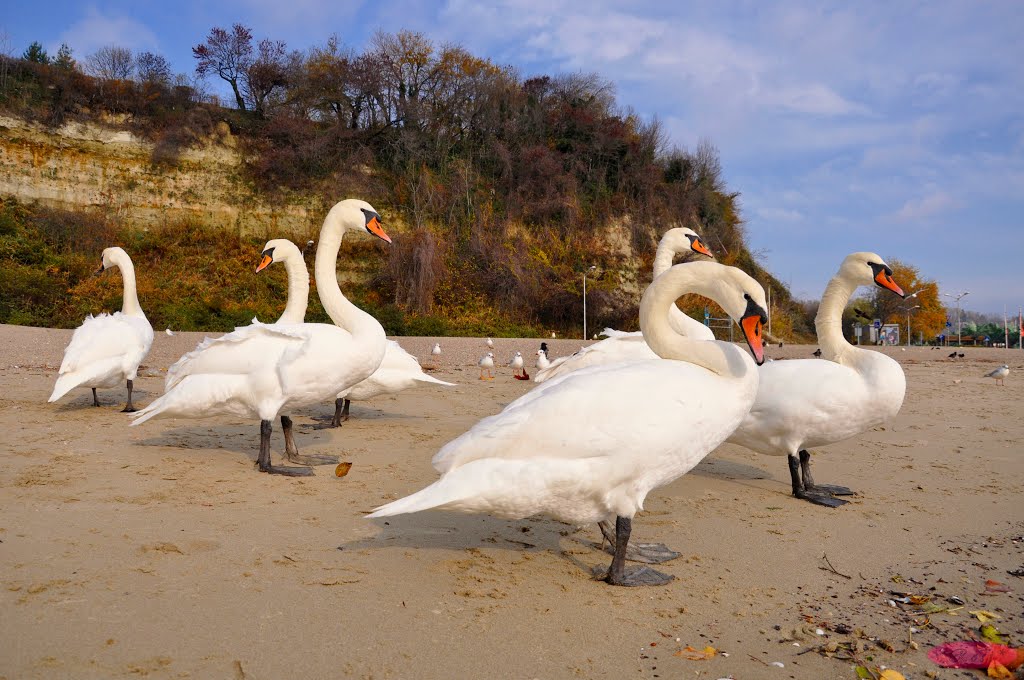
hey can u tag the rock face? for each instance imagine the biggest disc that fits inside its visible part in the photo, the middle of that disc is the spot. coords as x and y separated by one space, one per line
88 166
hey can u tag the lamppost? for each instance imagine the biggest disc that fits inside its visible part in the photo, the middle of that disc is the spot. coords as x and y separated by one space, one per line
590 269
959 338
909 310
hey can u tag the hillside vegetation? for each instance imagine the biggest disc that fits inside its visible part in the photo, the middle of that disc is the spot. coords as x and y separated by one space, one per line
503 189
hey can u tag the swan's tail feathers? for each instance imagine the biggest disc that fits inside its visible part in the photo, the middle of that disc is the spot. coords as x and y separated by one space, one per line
65 383
431 379
200 396
434 496
94 374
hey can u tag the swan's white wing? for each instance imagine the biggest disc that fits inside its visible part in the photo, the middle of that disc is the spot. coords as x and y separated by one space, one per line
242 351
398 370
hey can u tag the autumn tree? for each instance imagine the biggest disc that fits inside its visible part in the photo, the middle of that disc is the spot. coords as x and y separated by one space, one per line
111 63
265 75
228 55
152 68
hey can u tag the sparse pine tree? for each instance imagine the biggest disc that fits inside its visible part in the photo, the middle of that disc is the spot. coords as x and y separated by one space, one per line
36 54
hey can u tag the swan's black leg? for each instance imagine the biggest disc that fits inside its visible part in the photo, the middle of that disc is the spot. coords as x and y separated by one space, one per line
291 451
618 575
128 407
808 481
649 553
340 412
263 462
95 399
813 496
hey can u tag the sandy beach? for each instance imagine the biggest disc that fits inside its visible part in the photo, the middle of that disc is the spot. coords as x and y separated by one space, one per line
159 551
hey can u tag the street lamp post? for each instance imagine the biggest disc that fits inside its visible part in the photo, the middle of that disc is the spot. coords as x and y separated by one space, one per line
959 336
909 310
589 269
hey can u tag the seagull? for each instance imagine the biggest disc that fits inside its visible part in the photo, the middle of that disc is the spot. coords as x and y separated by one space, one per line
169 331
999 374
486 363
952 355
490 343
517 364
437 350
817 352
961 355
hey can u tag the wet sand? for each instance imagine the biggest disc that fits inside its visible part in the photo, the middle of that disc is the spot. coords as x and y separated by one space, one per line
159 551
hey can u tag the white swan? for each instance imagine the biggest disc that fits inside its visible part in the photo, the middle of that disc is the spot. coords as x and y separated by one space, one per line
398 371
624 346
261 370
810 402
106 350
566 450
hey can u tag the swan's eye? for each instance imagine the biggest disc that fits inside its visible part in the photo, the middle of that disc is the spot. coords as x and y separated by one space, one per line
746 296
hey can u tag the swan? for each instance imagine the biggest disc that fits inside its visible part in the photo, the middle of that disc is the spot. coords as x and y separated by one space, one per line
1000 374
398 371
106 350
284 251
623 346
809 402
486 363
261 370
565 450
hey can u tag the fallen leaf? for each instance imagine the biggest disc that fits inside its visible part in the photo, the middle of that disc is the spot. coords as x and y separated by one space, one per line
692 654
864 673
999 671
890 674
983 615
996 587
342 469
919 599
989 632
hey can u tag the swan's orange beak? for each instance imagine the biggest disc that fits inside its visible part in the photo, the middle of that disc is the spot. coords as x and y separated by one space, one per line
264 263
375 228
884 279
751 325
699 246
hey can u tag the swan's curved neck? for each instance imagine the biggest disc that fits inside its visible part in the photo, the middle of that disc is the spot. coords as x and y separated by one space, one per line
828 323
342 312
130 298
664 256
722 358
298 291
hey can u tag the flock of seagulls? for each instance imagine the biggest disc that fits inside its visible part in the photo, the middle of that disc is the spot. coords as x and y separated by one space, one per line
603 427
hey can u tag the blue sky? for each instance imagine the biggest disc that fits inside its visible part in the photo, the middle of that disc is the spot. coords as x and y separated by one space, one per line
891 127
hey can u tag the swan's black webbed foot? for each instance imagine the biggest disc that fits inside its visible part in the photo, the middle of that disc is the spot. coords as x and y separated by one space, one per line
825 499
648 553
286 471
632 577
832 489
617 574
312 459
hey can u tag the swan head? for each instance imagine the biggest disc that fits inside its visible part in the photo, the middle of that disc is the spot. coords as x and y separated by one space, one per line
112 257
741 297
278 250
865 269
354 214
684 239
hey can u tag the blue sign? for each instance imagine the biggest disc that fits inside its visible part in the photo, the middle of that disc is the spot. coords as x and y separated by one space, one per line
949 324
878 324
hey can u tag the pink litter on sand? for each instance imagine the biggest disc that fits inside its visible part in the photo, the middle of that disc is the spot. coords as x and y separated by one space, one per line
971 654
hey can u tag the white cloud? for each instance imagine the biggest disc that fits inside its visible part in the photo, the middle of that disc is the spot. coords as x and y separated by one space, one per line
934 203
97 30
776 214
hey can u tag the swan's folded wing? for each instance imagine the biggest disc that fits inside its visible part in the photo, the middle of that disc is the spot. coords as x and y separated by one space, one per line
100 338
239 352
